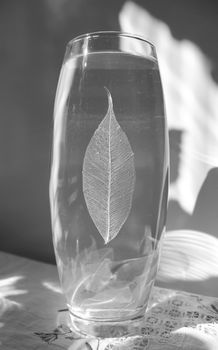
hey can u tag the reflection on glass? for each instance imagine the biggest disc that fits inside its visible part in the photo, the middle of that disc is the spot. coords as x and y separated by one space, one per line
109 180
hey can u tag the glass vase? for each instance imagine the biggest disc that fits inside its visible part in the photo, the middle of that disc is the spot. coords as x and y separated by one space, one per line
109 180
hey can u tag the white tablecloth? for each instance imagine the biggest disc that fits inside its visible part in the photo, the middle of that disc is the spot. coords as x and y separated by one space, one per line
31 316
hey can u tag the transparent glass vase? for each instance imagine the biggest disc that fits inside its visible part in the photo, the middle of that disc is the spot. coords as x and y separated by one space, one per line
109 180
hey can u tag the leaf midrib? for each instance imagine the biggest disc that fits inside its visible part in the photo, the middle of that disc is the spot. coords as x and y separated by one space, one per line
109 177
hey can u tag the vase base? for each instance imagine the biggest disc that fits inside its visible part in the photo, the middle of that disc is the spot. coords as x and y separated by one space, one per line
107 329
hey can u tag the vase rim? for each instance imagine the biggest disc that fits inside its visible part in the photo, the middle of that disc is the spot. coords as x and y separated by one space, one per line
110 33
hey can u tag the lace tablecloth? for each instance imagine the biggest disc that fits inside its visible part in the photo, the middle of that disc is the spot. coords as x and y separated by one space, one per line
32 315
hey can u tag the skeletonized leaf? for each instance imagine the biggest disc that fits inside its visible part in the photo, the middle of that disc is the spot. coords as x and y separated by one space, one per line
109 176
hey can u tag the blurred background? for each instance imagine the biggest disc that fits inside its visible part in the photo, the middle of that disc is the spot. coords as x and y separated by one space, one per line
33 37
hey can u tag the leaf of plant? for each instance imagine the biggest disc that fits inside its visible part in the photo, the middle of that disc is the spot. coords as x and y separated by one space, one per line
109 176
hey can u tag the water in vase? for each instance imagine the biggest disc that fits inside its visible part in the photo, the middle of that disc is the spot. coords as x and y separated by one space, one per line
109 183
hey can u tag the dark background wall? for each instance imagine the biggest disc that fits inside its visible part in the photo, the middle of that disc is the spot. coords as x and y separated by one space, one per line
33 36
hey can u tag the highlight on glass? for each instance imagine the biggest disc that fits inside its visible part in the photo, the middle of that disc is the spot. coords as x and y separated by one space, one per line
109 180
